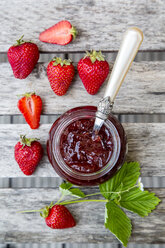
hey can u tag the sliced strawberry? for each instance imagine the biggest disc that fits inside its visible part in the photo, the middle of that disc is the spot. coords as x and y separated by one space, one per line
30 106
61 33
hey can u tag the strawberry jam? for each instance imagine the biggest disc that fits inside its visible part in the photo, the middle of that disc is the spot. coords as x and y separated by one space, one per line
80 158
81 151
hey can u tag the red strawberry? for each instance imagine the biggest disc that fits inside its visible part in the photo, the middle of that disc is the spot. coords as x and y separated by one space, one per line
93 70
30 106
58 217
23 57
60 75
61 33
28 153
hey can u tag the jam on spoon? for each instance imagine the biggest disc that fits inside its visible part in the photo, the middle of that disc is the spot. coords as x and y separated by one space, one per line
80 151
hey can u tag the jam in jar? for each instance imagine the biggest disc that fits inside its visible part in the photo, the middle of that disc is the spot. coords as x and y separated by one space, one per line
82 151
80 157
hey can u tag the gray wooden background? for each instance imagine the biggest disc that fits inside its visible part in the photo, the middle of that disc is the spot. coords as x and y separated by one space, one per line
46 182
15 15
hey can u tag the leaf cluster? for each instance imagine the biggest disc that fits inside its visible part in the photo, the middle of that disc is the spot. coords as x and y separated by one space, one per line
122 191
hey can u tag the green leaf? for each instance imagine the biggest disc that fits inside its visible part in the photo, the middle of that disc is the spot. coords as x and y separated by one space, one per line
66 185
65 189
77 192
117 222
140 202
125 178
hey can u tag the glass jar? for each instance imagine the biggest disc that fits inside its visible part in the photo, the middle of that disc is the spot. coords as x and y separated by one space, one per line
77 177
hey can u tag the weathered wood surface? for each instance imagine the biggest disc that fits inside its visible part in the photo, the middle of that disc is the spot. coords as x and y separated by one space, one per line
142 92
100 23
146 143
89 228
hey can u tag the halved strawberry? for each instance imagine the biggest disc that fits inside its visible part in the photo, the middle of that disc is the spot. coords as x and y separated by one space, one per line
61 33
30 106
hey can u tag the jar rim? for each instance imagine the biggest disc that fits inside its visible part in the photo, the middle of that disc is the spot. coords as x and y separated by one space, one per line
70 117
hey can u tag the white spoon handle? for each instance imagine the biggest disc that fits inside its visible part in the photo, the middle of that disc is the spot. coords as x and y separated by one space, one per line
128 50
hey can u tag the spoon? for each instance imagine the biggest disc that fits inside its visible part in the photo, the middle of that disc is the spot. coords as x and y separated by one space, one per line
130 45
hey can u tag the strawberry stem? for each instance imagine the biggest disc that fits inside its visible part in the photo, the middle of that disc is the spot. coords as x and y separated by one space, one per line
72 201
59 200
99 193
78 201
20 41
44 212
30 211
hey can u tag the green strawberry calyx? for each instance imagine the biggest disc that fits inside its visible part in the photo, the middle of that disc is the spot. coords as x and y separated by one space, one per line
27 94
93 55
45 211
59 61
20 41
26 141
73 32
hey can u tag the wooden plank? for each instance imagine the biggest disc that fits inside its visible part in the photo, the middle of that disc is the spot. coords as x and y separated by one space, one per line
89 228
142 92
146 144
100 23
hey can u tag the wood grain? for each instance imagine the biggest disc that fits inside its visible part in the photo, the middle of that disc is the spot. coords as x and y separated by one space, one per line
24 228
146 144
142 92
101 23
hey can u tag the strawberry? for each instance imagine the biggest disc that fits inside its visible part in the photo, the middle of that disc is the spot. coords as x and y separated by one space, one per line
30 106
93 70
28 153
58 217
23 57
61 33
60 75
